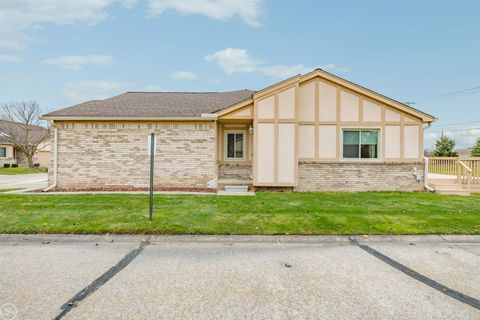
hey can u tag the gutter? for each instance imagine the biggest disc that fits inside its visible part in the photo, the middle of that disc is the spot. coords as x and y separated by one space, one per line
55 158
202 117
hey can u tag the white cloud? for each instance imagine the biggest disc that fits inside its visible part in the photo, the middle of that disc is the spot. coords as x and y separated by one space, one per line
333 67
283 72
223 10
18 18
129 4
153 88
183 75
234 60
78 62
10 58
214 80
94 89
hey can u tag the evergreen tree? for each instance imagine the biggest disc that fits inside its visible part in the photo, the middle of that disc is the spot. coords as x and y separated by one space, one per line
444 147
476 149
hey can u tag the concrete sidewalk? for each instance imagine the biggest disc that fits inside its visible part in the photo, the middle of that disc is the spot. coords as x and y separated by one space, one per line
239 277
24 181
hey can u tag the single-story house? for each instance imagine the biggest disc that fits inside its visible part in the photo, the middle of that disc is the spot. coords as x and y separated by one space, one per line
11 155
311 132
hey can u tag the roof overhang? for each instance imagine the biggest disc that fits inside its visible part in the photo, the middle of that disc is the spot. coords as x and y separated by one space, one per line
234 107
202 117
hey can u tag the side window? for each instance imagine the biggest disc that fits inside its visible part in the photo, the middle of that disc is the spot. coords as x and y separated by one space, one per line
360 144
3 152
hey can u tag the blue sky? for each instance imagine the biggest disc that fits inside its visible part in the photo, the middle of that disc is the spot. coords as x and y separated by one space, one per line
65 52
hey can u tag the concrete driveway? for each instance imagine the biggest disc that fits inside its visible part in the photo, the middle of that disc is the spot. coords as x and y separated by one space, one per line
24 181
104 277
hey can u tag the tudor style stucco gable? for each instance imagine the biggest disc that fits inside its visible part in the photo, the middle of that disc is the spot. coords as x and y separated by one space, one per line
303 119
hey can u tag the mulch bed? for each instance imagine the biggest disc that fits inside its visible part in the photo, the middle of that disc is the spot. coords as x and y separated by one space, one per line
129 189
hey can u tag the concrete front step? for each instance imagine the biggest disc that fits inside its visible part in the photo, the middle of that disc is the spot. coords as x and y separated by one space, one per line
222 184
235 188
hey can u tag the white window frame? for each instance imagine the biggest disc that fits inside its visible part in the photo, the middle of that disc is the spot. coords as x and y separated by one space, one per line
379 142
225 144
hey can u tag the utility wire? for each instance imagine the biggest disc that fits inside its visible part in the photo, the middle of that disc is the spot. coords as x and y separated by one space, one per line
475 89
455 93
456 124
454 130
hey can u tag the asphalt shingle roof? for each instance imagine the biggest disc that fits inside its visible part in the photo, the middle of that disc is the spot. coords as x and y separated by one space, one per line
156 104
7 127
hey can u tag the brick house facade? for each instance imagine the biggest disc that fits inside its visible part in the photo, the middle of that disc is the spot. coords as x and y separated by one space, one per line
312 132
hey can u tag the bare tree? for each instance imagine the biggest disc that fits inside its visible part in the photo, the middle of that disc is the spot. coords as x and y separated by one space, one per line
23 128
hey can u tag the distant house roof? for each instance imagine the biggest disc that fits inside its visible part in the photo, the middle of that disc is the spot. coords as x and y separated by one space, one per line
7 127
155 104
464 152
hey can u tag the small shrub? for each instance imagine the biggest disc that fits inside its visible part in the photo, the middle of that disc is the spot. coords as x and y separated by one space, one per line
36 165
14 165
6 165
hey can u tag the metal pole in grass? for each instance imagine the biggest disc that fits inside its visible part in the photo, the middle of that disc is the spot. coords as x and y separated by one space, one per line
152 158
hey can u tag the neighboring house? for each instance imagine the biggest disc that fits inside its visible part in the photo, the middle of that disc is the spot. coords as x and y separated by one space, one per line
9 154
464 153
312 132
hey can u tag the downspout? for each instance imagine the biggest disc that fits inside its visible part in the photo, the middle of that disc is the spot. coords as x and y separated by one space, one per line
425 176
425 170
55 158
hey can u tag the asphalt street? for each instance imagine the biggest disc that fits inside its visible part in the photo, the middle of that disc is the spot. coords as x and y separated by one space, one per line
207 277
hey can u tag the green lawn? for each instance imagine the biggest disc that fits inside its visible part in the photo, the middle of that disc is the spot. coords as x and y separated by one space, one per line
12 171
266 213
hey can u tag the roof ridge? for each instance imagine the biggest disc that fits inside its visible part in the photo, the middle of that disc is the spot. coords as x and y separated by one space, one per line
195 92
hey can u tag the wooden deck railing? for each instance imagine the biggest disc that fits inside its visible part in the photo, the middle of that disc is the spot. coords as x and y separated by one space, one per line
464 175
474 164
462 168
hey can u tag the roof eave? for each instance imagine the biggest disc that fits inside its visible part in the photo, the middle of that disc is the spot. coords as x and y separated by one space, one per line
202 117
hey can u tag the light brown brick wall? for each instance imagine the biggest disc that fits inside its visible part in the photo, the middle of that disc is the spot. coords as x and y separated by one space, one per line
235 171
358 176
109 155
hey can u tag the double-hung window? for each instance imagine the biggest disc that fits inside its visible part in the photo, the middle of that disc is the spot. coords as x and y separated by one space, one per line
235 145
3 152
360 144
